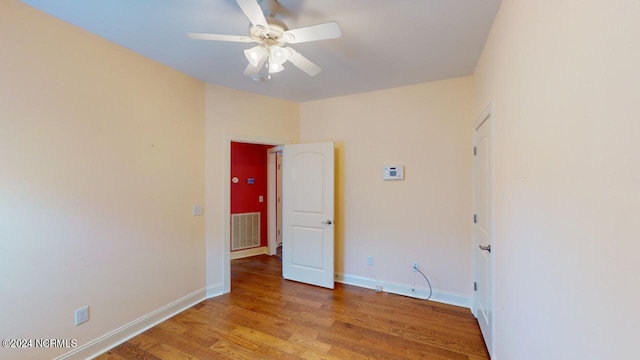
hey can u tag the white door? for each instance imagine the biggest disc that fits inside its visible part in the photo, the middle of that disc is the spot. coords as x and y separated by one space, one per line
307 241
483 226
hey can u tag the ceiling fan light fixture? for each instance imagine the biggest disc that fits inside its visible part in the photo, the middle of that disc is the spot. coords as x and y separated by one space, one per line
255 54
279 54
274 67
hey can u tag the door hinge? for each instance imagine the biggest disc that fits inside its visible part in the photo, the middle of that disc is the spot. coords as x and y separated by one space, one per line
475 151
475 218
475 286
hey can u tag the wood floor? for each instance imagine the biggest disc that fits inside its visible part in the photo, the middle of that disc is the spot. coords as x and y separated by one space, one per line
267 317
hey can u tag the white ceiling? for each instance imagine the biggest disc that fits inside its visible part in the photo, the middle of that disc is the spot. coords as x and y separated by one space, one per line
384 43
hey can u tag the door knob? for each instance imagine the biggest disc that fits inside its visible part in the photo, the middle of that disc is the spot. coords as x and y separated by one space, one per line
328 222
487 248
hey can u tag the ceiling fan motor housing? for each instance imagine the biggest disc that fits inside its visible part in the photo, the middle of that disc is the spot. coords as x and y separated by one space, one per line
275 35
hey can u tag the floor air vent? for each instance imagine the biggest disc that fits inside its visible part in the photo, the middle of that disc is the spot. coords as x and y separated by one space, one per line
245 231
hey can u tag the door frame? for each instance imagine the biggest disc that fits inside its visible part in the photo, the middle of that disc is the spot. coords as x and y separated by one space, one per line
487 115
272 208
226 197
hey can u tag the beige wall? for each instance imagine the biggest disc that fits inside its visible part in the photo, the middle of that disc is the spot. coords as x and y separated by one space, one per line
236 114
101 159
564 77
424 218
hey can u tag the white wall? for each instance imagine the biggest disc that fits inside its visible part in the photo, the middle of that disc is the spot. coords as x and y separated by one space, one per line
424 218
564 77
232 113
101 159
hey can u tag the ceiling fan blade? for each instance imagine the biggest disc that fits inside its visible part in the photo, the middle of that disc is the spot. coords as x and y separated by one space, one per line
218 37
254 12
330 30
253 70
303 63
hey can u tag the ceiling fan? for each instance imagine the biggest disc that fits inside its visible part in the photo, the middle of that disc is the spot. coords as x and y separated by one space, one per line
271 36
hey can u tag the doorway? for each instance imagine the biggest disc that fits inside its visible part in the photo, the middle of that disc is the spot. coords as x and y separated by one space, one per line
249 200
307 210
226 207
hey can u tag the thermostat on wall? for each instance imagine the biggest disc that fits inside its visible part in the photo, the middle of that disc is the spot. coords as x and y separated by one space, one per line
393 172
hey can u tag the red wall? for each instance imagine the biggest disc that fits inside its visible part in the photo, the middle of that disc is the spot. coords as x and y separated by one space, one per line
250 161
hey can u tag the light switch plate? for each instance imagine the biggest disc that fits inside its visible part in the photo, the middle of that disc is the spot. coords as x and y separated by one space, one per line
197 210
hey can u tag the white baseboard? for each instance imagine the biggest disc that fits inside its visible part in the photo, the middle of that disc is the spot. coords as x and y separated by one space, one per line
248 252
126 332
405 289
215 290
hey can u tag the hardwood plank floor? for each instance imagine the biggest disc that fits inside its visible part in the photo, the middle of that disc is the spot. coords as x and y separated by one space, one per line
267 317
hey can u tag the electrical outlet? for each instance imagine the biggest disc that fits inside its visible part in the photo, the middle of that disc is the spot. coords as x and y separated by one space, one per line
369 260
415 266
82 315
